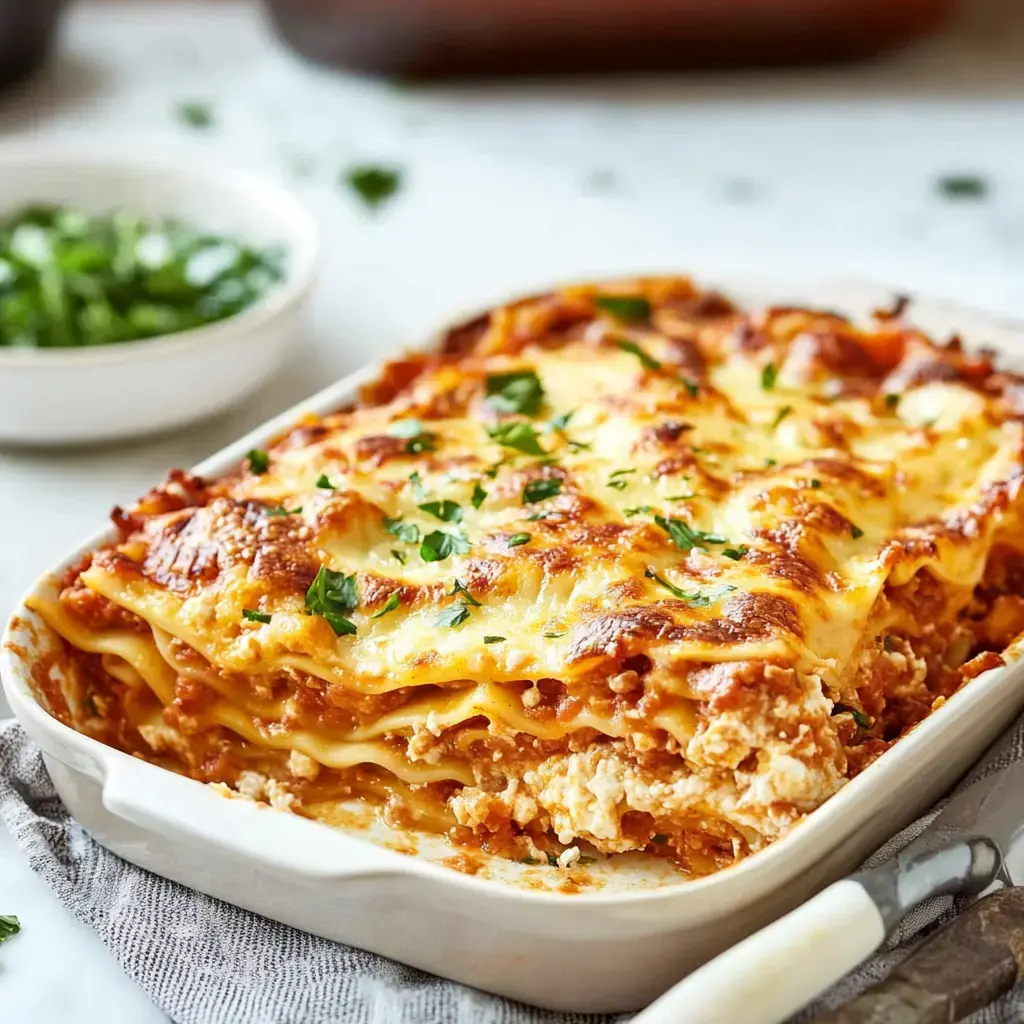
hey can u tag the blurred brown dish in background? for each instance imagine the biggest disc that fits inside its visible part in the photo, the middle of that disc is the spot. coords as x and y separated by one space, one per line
437 38
27 29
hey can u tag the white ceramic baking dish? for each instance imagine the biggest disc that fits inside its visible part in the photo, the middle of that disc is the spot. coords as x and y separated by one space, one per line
508 930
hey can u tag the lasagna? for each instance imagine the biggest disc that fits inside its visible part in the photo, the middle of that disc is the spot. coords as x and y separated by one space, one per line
621 567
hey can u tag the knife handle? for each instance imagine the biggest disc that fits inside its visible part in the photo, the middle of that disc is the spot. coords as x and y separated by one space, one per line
770 975
776 971
961 969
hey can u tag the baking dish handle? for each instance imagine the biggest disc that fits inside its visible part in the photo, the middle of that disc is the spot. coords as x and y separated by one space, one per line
186 811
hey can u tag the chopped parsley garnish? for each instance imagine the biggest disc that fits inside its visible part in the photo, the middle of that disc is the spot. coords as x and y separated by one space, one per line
195 113
518 435
9 925
735 553
685 536
768 376
390 605
962 186
479 495
560 423
400 555
855 531
438 545
75 279
408 533
553 636
250 615
454 615
858 716
659 839
637 510
815 484
324 484
447 511
692 387
770 462
630 308
694 598
259 461
417 439
518 538
333 595
541 490
646 361
616 481
458 587
520 391
374 184
681 497
418 490
781 415
492 471
494 639
891 401
535 516
280 510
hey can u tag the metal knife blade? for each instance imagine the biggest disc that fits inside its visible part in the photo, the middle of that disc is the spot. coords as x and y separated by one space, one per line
964 850
992 808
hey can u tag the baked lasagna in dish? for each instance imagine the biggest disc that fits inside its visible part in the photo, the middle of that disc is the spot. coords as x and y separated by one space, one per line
617 568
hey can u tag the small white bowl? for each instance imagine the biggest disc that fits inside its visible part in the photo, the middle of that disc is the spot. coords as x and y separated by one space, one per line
126 389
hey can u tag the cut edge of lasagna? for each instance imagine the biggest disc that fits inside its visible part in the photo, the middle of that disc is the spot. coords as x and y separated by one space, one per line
621 567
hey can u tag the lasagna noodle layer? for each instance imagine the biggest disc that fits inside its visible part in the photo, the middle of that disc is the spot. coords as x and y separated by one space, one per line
621 564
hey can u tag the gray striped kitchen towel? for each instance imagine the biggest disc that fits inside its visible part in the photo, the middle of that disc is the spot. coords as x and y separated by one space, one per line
206 962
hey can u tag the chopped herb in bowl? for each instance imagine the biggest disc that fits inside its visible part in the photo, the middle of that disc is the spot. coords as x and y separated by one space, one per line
70 279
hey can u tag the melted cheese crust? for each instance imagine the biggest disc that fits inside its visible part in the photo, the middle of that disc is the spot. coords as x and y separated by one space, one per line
716 517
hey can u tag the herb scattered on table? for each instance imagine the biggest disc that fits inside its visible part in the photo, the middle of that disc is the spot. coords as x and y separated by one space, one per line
374 184
963 186
71 279
196 113
9 925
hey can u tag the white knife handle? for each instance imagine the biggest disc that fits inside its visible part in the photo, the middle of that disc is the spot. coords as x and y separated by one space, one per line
776 971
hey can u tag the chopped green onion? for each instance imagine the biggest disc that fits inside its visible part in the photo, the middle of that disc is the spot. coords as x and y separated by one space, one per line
254 616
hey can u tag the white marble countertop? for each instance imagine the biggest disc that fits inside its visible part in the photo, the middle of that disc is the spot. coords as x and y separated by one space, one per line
795 175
